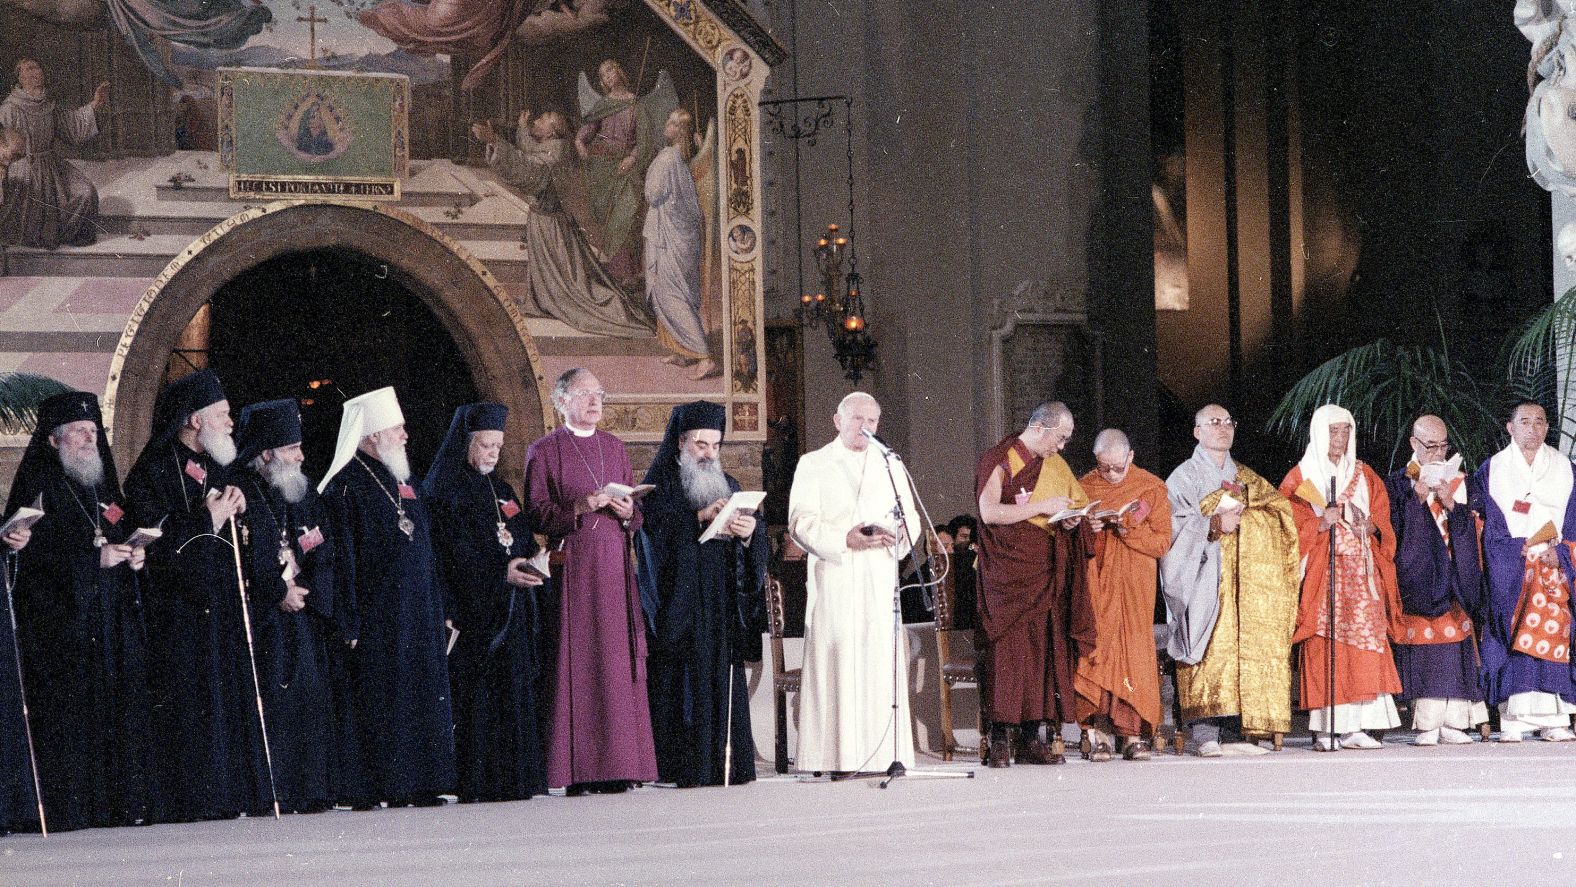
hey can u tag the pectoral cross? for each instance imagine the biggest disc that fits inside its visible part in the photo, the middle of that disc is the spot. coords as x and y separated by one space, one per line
312 21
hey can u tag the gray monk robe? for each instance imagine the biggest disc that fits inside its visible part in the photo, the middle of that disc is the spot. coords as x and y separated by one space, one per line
48 201
1232 601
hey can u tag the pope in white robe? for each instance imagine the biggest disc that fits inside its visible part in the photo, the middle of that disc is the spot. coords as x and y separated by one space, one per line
851 641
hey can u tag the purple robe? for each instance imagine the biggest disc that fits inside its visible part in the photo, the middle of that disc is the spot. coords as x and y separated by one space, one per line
1506 672
1431 578
600 722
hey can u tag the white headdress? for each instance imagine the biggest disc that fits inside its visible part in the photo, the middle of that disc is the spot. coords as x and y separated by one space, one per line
367 414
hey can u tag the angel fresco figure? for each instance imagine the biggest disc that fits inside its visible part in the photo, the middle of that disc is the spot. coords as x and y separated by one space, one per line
566 280
675 233
620 135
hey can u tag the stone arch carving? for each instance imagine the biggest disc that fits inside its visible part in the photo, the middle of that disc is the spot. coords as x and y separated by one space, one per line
465 297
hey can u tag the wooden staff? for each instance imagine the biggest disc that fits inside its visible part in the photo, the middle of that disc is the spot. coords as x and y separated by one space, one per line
1329 673
27 722
251 658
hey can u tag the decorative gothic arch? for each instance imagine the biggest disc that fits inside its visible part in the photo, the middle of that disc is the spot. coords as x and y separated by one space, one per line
465 297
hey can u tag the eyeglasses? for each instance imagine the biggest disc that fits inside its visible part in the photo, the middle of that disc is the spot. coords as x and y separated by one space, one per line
599 394
1218 422
1103 468
1426 447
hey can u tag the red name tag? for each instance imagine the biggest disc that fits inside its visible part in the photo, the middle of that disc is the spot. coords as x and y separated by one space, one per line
1231 487
1139 512
405 492
508 507
112 512
310 539
1522 506
196 472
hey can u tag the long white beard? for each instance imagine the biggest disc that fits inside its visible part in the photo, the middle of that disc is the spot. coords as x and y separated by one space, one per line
286 477
217 444
393 457
87 471
704 482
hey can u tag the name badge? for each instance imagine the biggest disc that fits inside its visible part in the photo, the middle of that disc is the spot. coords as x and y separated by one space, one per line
112 512
1522 506
196 472
406 492
508 508
309 539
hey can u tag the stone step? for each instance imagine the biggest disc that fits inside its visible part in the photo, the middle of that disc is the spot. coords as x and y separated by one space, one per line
126 256
221 193
195 219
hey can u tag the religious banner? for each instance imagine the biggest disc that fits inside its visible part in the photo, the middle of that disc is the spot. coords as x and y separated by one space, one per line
313 134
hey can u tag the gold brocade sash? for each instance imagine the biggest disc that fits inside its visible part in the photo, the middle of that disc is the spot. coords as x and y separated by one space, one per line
1055 479
1246 670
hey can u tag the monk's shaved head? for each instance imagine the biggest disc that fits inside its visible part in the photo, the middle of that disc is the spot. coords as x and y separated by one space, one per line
1050 414
1112 442
1429 427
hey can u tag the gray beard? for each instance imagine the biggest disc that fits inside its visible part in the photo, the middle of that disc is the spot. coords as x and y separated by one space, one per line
394 459
218 445
703 480
287 478
486 469
88 471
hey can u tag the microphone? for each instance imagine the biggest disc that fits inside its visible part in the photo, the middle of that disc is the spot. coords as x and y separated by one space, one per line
879 444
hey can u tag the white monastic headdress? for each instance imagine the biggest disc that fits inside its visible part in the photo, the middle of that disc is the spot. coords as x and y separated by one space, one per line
1316 465
367 414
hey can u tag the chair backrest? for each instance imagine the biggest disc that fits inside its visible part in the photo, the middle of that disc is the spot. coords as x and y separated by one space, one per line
786 599
946 595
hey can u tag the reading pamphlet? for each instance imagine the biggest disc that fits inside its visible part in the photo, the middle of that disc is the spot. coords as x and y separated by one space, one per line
744 500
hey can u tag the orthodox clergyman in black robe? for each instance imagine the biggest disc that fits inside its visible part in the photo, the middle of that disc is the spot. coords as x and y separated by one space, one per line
483 539
210 761
80 623
18 801
388 604
290 581
704 606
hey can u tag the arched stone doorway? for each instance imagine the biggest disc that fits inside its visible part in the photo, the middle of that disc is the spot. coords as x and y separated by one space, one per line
462 294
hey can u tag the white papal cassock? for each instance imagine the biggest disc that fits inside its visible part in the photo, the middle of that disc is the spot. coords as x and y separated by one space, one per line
845 699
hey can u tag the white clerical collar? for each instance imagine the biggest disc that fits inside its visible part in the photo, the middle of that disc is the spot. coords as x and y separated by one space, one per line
577 432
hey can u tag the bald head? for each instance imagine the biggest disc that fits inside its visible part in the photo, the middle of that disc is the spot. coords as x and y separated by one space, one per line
1430 439
1112 442
856 397
1051 414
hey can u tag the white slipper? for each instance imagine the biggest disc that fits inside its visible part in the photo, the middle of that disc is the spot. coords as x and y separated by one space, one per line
1510 736
1359 739
1322 742
1557 734
1210 749
1430 737
1452 736
1243 749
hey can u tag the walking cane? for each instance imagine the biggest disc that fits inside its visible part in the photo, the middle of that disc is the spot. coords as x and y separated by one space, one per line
251 658
1329 673
727 753
27 722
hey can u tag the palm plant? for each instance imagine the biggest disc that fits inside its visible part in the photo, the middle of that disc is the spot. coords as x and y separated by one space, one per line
20 395
1386 385
1541 353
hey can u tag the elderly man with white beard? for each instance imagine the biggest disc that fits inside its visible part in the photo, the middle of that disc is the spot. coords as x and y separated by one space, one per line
204 716
290 578
397 726
79 625
704 606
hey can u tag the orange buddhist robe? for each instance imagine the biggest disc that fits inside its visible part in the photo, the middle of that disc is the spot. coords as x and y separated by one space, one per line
1120 676
1364 666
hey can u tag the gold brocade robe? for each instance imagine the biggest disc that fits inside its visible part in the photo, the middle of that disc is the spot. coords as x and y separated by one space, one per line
1246 669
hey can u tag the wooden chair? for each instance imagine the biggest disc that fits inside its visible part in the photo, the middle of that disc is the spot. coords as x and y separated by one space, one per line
785 618
954 672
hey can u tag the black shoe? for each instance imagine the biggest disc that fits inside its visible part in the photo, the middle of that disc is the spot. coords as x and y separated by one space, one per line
1000 754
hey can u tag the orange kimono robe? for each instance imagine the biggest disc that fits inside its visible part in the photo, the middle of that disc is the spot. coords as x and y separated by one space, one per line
1120 676
1367 605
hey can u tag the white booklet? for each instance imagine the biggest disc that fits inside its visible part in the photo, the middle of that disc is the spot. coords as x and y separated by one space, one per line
744 500
1435 473
145 536
24 518
538 564
1069 513
619 491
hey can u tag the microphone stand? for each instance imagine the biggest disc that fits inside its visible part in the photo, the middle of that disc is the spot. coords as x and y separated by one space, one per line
896 768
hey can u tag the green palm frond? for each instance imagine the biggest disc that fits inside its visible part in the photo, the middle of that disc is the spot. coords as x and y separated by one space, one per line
20 395
1541 352
1386 386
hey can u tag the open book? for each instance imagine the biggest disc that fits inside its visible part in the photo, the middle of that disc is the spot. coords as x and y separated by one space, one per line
1436 473
1070 513
145 536
618 491
1112 515
538 564
24 518
744 500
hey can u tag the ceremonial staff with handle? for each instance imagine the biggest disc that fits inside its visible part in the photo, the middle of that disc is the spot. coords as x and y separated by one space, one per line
251 659
1329 662
21 686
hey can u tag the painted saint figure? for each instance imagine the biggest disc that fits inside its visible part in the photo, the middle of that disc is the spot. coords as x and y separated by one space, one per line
673 249
567 281
48 201
620 135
